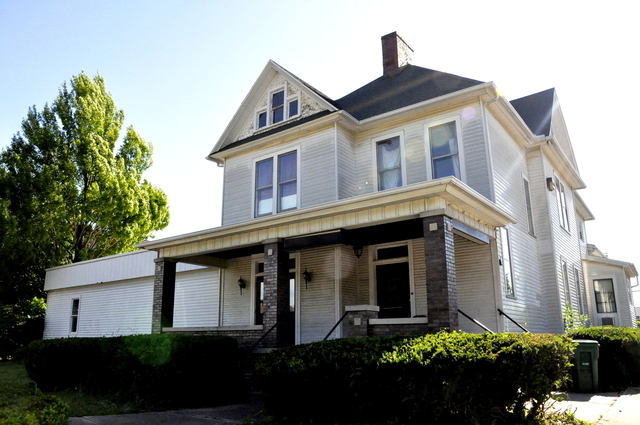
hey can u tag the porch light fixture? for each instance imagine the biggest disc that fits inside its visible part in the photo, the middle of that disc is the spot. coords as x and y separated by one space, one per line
551 186
242 284
307 278
357 249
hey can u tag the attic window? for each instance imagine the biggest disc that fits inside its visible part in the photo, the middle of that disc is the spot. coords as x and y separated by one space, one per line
280 108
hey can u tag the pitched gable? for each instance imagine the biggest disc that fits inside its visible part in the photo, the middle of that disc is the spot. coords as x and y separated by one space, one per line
297 96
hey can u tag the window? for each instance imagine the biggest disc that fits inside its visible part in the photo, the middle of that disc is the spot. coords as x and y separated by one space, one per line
565 281
507 269
581 230
444 150
389 163
605 297
75 308
285 174
393 281
280 108
563 209
576 278
527 200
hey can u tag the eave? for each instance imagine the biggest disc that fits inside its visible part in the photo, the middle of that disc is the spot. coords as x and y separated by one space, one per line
447 196
629 268
582 208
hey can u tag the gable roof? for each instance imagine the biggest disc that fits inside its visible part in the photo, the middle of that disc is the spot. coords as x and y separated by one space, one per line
413 84
536 110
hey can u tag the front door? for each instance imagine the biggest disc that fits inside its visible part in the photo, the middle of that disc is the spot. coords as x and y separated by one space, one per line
394 292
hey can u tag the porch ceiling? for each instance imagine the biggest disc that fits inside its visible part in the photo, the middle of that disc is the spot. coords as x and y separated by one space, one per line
447 196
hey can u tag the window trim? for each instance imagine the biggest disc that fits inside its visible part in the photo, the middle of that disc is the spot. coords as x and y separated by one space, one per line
275 184
528 204
504 234
403 162
427 143
578 280
563 205
76 316
613 288
564 270
373 279
288 98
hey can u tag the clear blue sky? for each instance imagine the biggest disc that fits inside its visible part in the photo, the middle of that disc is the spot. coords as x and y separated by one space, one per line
180 69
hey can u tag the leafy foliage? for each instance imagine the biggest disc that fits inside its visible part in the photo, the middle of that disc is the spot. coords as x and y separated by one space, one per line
179 370
573 320
441 378
71 189
619 362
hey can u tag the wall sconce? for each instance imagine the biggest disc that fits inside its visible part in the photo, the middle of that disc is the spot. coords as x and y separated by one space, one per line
307 278
357 249
551 186
242 284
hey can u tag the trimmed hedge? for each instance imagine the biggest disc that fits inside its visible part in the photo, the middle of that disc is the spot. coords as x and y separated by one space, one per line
179 370
619 362
42 409
441 378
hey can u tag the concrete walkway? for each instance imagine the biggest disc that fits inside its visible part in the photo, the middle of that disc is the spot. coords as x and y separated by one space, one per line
604 408
601 409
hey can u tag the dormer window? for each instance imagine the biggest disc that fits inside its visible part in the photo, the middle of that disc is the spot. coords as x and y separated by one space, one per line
280 108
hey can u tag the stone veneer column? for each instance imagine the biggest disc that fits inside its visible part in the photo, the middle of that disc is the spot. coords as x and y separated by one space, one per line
440 259
164 289
276 295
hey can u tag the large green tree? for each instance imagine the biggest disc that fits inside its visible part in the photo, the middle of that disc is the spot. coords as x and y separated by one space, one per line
72 189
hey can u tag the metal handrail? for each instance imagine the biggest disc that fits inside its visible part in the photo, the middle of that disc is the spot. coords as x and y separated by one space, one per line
336 325
253 347
516 323
475 321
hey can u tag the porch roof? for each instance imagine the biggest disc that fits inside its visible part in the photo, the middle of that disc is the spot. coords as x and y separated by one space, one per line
447 196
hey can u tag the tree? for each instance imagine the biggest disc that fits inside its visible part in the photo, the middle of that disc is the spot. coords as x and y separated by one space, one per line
71 189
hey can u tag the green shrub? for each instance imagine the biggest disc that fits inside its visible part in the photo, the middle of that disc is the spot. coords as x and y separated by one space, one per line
440 378
179 370
42 409
619 361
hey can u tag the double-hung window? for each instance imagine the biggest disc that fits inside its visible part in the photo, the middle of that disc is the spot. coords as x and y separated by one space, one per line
276 184
605 297
444 150
565 281
507 269
75 309
527 201
280 107
389 163
563 208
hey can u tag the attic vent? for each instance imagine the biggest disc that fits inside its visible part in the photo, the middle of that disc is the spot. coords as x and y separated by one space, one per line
395 54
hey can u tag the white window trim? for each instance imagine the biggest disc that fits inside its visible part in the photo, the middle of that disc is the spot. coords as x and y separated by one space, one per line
615 295
563 213
427 145
528 206
274 156
373 292
566 283
581 298
502 265
403 160
77 315
288 98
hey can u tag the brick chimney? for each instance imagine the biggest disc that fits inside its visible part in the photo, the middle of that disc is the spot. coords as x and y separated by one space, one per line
395 54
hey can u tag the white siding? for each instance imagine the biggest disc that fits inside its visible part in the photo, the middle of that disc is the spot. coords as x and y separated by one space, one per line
110 309
625 315
238 190
346 165
236 305
318 301
197 298
318 169
475 283
476 162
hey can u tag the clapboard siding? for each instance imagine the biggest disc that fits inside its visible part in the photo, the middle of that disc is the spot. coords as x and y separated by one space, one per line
109 309
237 191
318 300
625 315
476 162
236 305
197 298
346 159
475 283
318 169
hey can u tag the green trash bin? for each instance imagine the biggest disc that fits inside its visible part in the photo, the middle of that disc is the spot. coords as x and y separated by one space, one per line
585 366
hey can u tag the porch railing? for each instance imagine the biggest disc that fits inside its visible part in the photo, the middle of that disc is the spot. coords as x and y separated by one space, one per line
475 321
516 323
336 325
264 335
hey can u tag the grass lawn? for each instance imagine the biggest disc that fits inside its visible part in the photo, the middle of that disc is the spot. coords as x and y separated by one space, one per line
17 393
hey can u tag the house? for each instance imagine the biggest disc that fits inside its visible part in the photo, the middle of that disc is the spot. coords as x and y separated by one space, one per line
420 201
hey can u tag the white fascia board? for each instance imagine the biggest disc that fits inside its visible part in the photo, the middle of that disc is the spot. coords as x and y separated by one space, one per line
259 86
582 208
561 163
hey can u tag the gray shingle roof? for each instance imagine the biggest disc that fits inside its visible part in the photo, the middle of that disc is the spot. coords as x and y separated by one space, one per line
536 110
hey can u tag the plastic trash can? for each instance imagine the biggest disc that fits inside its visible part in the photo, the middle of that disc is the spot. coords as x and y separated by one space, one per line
585 366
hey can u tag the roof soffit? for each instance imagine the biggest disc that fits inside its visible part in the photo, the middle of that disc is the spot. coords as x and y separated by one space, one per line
256 93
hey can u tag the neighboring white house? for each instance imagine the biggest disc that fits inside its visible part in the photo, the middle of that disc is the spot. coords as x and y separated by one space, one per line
418 195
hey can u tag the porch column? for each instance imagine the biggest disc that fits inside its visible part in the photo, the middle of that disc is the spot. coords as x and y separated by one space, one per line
164 290
276 295
440 259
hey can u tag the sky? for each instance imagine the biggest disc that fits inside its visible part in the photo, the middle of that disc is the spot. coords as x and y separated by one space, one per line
181 69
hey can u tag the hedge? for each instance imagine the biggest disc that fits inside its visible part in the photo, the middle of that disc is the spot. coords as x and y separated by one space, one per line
619 362
179 370
440 378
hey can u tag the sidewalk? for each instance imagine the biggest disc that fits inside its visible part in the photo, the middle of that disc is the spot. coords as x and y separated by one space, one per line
604 408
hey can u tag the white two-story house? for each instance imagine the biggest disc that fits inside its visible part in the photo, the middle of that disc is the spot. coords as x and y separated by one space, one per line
420 201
